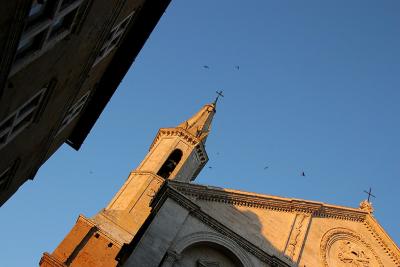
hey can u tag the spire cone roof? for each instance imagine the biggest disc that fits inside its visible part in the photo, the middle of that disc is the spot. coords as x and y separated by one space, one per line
200 124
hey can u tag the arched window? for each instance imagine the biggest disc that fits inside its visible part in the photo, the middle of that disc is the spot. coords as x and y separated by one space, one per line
169 165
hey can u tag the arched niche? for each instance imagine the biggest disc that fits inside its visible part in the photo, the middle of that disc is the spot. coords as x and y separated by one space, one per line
170 164
219 248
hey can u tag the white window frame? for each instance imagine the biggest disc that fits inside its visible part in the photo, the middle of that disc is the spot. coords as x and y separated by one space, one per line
114 38
20 118
41 33
74 111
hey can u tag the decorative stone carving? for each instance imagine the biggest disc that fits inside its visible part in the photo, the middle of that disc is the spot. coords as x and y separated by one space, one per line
297 235
352 255
342 247
151 192
366 206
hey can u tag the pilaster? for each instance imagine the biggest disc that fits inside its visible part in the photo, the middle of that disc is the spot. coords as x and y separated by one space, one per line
128 210
297 236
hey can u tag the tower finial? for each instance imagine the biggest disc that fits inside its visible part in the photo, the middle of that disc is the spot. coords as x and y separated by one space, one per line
366 205
218 95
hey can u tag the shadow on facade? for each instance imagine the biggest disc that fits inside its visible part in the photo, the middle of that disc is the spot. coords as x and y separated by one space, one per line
210 233
252 229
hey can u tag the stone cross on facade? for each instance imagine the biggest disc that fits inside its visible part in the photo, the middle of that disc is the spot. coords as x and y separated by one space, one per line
369 194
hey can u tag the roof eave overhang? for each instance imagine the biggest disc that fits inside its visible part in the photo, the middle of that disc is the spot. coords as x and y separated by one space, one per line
122 60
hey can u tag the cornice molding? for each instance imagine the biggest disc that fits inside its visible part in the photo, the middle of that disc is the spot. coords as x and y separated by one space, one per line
177 131
92 222
316 209
49 260
387 244
148 173
202 154
195 210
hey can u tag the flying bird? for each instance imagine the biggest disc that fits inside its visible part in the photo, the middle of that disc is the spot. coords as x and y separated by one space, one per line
206 67
303 174
209 167
237 67
266 167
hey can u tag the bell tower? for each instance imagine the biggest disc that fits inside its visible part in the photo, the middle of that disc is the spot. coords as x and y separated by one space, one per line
177 154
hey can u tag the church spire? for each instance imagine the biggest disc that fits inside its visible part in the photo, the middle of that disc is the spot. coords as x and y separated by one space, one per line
177 154
200 124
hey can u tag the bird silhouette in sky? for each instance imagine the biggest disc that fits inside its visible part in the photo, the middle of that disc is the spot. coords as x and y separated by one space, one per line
206 67
237 67
209 167
266 167
303 174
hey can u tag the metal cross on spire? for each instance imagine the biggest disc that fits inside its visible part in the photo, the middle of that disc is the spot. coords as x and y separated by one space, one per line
369 194
218 95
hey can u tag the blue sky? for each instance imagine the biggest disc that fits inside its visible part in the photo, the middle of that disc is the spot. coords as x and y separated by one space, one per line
317 90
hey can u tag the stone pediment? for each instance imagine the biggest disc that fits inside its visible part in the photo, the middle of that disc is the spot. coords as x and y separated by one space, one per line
267 254
216 201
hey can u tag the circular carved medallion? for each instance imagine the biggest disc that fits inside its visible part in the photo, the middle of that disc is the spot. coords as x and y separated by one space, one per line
343 248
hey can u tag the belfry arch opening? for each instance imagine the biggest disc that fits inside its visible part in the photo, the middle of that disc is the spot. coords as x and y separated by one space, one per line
170 164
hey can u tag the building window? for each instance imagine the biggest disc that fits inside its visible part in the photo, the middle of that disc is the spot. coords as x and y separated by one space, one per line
74 111
37 11
47 23
20 119
113 38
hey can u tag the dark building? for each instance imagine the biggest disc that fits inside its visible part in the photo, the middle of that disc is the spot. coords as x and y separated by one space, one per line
60 63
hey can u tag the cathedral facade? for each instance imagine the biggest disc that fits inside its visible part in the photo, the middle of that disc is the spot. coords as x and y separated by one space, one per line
160 218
